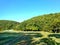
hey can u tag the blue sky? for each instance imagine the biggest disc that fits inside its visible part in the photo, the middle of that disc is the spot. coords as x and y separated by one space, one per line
20 10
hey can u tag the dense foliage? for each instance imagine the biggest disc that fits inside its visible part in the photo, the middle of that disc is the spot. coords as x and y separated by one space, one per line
47 22
6 25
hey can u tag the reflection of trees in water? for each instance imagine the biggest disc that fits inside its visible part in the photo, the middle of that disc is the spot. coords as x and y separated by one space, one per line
45 41
54 35
48 41
23 42
27 40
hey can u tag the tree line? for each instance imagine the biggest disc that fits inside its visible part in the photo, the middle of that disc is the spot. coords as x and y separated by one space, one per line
47 22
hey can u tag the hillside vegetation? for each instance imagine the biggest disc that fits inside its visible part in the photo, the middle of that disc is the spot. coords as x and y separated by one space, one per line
7 25
47 22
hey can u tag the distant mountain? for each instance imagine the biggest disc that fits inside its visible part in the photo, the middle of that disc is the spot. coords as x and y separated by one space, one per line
6 24
47 22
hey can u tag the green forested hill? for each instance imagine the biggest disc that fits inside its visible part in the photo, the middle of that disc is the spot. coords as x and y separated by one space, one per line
47 22
6 24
